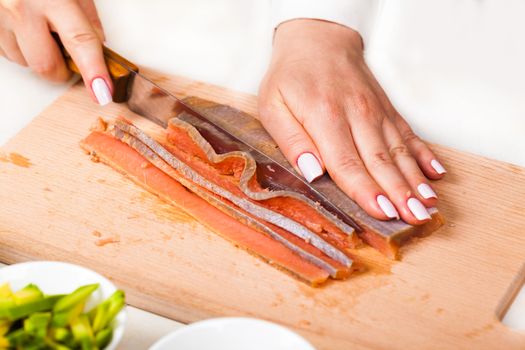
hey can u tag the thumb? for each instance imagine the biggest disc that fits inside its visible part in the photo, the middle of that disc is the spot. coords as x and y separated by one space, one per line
289 134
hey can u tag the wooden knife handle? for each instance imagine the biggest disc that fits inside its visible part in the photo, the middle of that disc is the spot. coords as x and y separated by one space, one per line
115 63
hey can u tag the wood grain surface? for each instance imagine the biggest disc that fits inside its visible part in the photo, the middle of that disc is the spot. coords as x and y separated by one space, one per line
448 291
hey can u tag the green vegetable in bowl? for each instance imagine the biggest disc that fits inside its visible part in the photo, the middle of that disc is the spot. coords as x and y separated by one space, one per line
31 320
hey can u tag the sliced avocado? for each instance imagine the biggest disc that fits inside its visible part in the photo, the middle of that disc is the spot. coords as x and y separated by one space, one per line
99 316
61 334
4 327
6 297
103 337
16 312
83 333
5 291
116 303
18 338
27 294
4 342
79 296
37 324
64 318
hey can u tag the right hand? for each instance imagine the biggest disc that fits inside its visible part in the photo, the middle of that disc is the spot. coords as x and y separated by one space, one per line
25 38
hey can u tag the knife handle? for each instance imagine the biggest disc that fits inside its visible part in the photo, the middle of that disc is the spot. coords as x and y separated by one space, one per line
118 69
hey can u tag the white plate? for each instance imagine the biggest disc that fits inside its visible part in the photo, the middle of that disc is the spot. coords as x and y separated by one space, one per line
232 333
62 278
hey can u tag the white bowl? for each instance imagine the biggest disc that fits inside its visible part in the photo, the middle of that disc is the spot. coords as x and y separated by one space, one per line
233 333
61 278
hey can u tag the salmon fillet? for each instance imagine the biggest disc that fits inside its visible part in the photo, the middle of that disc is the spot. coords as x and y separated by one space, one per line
385 236
131 156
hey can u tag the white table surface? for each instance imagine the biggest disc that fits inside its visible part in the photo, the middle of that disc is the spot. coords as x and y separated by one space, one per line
228 43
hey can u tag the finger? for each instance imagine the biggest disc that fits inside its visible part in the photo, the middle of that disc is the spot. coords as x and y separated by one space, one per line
342 159
10 47
425 158
89 8
289 134
82 43
367 131
408 165
41 51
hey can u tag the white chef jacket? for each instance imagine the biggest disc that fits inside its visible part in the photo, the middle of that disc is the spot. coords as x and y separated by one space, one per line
453 68
356 14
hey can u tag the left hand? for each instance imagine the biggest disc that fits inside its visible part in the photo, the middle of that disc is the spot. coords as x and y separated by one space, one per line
324 108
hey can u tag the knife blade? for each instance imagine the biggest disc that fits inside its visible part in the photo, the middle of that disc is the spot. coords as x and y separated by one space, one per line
151 101
225 129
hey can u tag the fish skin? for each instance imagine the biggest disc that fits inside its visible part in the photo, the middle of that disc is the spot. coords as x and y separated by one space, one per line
129 134
122 158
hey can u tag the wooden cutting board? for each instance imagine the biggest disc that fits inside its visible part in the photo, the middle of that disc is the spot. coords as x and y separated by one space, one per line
448 291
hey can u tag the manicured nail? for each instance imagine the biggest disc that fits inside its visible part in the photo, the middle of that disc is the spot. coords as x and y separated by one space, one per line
101 91
387 207
309 166
437 167
418 209
426 191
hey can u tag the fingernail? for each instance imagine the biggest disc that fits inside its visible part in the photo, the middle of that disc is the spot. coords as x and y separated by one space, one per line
101 91
309 166
418 209
387 207
437 167
426 191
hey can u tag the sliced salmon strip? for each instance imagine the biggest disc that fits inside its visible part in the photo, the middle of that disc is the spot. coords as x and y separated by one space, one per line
236 172
386 236
188 177
120 156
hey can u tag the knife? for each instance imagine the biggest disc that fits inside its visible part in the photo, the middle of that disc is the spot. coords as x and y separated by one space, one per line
153 102
225 129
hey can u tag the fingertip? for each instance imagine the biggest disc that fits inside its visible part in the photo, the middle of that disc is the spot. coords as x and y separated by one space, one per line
101 90
310 166
414 212
427 195
429 202
438 168
293 140
386 208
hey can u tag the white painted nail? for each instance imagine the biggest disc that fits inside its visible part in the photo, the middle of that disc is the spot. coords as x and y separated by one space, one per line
438 167
387 207
418 209
426 191
309 166
101 91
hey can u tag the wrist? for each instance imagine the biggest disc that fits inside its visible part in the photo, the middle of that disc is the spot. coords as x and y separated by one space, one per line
297 34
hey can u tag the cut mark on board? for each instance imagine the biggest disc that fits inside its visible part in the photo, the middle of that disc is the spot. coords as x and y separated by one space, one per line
16 159
511 310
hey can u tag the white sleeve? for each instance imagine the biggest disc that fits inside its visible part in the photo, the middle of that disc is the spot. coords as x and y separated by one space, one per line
356 14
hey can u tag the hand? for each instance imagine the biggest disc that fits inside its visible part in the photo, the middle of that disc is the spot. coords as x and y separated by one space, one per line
325 110
25 38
